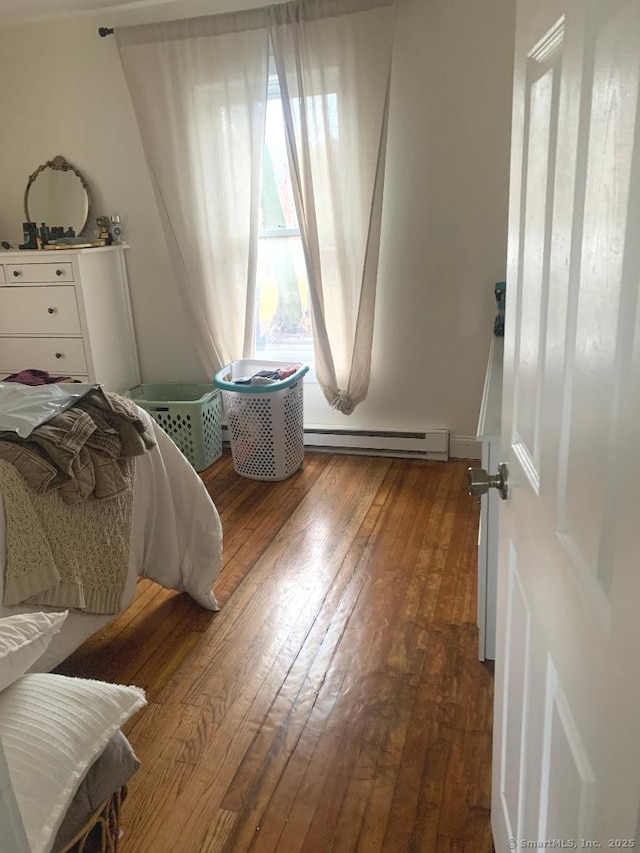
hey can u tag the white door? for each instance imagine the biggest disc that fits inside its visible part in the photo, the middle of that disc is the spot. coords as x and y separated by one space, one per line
566 770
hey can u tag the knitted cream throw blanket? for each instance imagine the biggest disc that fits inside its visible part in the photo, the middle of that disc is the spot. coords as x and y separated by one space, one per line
69 556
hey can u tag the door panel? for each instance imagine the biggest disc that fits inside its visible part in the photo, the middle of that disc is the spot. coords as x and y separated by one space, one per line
568 783
541 116
529 362
598 281
516 698
567 725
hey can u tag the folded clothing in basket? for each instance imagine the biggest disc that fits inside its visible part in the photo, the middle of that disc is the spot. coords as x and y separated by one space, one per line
265 377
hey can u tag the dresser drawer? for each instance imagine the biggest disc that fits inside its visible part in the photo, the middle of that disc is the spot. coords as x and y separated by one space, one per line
28 273
60 356
1 274
51 310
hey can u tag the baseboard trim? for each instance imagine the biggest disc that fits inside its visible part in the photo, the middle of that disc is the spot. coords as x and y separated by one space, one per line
464 447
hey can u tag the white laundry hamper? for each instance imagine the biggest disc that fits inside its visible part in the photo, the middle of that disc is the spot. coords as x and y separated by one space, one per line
266 422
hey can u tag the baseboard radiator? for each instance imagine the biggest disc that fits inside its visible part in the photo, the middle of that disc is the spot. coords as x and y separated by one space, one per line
419 444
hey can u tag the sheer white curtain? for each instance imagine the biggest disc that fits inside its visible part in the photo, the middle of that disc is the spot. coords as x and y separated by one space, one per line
199 90
333 59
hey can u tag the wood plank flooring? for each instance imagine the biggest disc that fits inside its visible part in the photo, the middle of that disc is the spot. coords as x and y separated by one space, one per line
335 703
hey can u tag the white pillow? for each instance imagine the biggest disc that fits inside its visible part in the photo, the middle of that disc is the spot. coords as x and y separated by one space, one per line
52 729
23 638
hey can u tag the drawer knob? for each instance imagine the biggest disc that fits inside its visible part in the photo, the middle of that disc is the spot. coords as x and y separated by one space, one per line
59 355
59 272
16 273
51 310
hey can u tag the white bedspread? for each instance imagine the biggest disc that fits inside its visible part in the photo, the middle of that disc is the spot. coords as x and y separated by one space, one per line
176 541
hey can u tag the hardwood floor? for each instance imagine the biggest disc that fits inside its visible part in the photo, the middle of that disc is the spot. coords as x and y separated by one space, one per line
335 703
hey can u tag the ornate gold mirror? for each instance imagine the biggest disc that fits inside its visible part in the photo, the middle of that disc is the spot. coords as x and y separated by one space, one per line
58 195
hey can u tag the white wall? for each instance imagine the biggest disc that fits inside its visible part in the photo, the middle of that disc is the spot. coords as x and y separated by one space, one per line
445 213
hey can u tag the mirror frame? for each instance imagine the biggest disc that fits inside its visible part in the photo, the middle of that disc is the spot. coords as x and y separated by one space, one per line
59 164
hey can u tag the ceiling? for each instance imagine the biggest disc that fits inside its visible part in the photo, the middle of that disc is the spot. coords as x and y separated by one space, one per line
17 11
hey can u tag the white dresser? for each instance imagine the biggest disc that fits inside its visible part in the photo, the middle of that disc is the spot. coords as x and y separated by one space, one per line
489 436
68 312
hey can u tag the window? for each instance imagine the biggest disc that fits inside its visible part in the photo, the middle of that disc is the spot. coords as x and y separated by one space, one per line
283 316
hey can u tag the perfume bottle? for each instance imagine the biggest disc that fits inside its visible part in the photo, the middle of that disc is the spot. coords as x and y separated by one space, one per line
116 228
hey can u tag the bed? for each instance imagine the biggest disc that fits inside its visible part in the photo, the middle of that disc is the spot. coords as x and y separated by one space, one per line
176 541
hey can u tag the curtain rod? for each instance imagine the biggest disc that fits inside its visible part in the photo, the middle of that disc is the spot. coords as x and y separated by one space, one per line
346 7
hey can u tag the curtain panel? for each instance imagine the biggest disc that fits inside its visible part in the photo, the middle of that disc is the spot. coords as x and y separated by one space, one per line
199 91
200 102
334 72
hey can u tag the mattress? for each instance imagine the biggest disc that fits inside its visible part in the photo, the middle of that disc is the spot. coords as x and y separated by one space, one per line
176 541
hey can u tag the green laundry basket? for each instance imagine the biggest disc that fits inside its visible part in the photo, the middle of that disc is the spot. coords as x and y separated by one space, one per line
190 413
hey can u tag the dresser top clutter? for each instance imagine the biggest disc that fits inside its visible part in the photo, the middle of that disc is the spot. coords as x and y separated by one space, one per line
20 257
68 311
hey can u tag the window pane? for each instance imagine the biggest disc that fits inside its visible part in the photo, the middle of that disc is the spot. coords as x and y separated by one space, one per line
283 323
278 207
